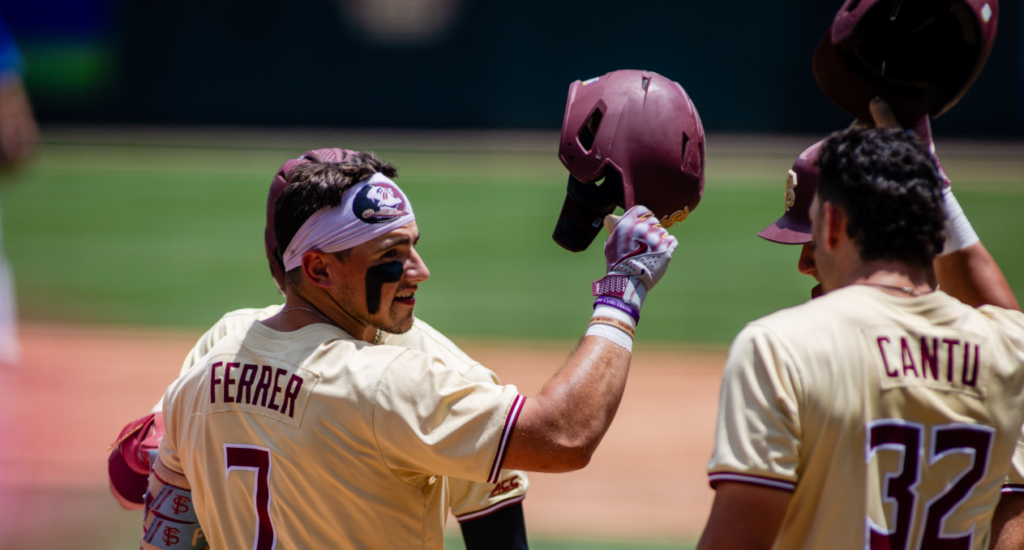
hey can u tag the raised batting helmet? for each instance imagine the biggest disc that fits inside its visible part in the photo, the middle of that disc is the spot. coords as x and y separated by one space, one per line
640 132
277 186
794 227
919 55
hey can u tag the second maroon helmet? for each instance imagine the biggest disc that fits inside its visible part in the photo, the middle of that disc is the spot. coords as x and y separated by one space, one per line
919 55
640 132
794 227
277 186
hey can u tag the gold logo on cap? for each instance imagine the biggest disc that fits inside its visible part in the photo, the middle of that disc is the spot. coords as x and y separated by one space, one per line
676 217
790 190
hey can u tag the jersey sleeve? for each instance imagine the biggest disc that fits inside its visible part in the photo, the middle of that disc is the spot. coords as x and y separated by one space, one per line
428 418
1014 482
469 499
11 61
473 500
757 437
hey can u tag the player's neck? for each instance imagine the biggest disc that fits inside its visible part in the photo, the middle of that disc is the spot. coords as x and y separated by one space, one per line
896 278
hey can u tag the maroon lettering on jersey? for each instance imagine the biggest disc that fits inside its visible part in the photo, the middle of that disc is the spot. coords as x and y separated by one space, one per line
952 343
263 386
505 486
885 362
291 393
228 382
926 359
971 380
245 381
214 381
930 358
277 389
908 358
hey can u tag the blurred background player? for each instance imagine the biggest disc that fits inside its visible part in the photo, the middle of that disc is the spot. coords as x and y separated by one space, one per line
807 389
489 514
363 440
18 137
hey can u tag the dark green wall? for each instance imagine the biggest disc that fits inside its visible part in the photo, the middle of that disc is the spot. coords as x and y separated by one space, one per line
745 63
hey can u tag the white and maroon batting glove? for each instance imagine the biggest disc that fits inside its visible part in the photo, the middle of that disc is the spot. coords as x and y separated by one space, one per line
638 252
923 131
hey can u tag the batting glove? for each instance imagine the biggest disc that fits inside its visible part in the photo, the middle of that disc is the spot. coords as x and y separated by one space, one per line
637 253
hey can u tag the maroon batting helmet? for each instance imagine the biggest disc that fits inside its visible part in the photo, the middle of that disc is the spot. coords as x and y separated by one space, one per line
640 132
794 227
919 55
277 186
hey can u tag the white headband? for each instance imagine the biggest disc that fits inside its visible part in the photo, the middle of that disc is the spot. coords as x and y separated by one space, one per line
371 208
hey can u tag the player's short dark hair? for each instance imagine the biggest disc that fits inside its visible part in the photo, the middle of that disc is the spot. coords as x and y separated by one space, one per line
313 186
888 184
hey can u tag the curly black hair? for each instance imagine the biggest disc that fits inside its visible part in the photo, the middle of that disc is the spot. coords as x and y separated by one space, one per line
313 186
888 184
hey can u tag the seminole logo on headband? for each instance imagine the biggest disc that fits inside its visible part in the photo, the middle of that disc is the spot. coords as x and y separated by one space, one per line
379 202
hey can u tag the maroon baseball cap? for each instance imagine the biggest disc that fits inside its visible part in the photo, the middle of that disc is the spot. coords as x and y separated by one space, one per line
919 55
794 227
640 132
277 186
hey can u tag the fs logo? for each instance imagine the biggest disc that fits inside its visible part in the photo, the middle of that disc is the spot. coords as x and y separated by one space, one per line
505 486
170 536
379 202
181 505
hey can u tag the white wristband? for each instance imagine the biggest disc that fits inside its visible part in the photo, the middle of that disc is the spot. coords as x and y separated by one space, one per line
616 335
959 233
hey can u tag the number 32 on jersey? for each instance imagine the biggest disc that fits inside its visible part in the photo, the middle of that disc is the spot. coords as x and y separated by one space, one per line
914 506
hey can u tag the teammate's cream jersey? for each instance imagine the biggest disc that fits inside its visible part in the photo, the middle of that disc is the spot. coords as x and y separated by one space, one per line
892 420
469 499
316 440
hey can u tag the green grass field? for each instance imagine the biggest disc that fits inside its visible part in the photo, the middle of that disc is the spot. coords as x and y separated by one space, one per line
172 236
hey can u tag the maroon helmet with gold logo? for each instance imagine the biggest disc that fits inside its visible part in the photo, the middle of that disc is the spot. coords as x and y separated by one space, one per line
794 227
638 131
919 55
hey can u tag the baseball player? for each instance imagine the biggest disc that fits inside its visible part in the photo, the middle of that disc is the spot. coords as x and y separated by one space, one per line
302 429
964 269
18 136
490 515
883 414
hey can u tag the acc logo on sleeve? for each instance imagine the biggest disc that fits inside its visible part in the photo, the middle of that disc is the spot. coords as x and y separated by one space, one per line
379 202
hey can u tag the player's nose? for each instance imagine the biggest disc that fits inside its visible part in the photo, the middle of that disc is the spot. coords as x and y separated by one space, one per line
416 270
806 263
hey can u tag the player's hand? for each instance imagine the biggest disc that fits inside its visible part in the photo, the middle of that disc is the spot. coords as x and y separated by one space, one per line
883 116
637 254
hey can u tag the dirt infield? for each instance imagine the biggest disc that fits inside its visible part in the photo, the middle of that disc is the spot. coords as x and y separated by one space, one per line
79 385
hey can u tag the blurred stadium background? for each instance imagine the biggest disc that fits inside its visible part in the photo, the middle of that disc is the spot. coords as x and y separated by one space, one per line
162 125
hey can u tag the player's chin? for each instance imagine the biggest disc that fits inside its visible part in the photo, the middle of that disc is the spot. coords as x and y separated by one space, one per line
401 319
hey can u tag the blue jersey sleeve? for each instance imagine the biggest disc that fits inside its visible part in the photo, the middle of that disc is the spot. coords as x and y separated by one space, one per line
10 57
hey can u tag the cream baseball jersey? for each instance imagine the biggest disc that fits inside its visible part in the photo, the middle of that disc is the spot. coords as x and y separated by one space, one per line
891 419
313 439
469 500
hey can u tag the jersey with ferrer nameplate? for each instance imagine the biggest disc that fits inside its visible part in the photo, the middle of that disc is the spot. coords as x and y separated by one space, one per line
891 419
314 439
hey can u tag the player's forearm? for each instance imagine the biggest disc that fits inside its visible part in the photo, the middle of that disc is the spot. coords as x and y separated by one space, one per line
560 428
972 276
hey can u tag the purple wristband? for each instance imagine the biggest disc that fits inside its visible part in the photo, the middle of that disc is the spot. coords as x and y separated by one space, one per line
619 305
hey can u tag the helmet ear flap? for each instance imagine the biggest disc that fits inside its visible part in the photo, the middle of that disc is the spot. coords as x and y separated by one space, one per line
584 209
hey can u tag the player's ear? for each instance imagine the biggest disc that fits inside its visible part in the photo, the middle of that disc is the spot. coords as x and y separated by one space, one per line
315 268
834 219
